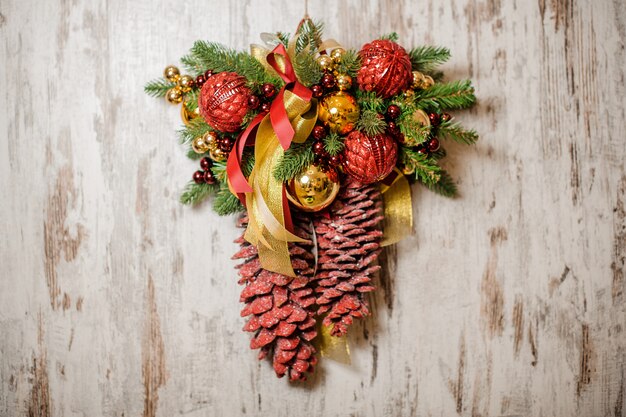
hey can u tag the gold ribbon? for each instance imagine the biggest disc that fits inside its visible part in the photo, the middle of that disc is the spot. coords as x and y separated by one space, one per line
266 228
332 347
398 209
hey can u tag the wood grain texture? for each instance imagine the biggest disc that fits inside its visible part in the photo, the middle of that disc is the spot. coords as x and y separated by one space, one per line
117 301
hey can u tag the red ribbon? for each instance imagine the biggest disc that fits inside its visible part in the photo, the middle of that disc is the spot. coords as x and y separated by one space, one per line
280 123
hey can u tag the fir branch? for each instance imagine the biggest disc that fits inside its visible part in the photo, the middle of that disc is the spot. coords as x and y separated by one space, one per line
196 127
193 155
295 160
350 63
307 69
446 96
333 144
219 170
284 38
191 99
309 35
195 193
393 37
158 87
426 59
247 161
414 132
426 168
226 203
371 123
368 100
454 131
445 186
439 154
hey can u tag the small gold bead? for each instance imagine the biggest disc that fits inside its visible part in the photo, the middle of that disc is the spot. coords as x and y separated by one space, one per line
428 82
185 83
344 82
336 54
172 73
217 155
174 95
199 145
325 62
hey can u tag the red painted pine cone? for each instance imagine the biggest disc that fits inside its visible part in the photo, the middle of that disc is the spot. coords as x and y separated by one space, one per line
369 158
223 101
281 309
385 68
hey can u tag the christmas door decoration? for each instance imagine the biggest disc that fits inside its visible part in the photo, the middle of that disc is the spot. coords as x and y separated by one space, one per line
316 147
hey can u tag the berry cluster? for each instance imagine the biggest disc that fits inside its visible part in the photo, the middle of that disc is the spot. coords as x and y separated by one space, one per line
263 102
205 175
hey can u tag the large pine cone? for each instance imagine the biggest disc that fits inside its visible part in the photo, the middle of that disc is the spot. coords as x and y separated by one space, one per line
369 159
223 101
348 244
281 308
385 68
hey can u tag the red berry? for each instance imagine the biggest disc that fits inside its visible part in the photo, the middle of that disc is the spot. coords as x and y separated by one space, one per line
225 144
433 145
200 79
269 90
400 138
422 150
446 117
265 107
328 81
434 119
317 90
319 132
206 163
318 148
209 178
254 102
393 112
198 177
335 160
208 73
393 128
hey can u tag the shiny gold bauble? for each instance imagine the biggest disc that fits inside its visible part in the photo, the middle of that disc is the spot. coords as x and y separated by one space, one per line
344 82
218 155
211 139
172 73
313 190
199 145
418 79
325 62
174 95
188 115
428 81
421 117
339 111
336 54
185 83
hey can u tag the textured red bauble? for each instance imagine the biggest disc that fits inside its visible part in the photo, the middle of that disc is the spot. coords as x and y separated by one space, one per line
446 117
369 158
318 148
198 177
223 101
385 68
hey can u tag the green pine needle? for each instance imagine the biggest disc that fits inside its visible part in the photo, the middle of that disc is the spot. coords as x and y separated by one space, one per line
350 63
295 160
307 69
368 100
426 168
309 36
393 37
426 59
196 128
446 96
284 38
454 131
445 186
158 87
193 155
226 203
195 193
371 123
333 144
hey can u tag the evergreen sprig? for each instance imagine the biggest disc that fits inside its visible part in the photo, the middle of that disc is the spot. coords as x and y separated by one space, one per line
393 37
195 128
307 69
350 63
195 193
454 131
446 96
427 58
295 160
309 36
371 123
226 203
368 100
158 87
333 144
445 186
426 168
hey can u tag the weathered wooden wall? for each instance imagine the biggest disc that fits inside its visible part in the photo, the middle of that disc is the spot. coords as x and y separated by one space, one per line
117 301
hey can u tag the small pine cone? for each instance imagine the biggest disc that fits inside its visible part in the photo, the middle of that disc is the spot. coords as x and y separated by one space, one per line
281 309
348 245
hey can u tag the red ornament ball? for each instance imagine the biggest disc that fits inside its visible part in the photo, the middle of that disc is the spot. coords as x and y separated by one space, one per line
198 177
223 101
393 112
446 117
268 90
385 69
319 132
265 107
433 145
369 158
328 81
200 79
207 74
206 163
254 102
435 119
209 178
318 148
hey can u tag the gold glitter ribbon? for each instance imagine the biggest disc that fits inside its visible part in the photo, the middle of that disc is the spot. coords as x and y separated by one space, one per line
332 347
398 209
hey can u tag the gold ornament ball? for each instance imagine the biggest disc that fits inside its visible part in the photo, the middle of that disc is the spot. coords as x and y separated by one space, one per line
428 82
217 155
336 54
185 83
188 115
211 140
418 79
339 111
325 62
172 73
421 117
313 190
174 95
344 82
199 145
